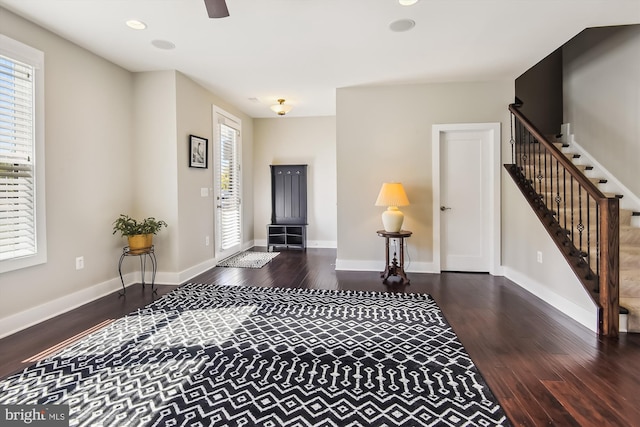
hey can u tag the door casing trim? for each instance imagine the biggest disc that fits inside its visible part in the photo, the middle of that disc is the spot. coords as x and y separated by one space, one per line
215 110
437 132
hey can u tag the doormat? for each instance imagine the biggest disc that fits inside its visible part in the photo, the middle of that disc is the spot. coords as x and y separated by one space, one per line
248 260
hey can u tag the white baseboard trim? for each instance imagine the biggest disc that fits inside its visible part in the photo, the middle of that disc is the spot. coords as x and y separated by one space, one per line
32 316
420 267
359 265
498 270
369 265
324 244
587 318
191 272
24 319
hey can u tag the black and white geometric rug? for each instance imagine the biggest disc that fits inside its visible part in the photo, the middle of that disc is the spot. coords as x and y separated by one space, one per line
215 355
248 259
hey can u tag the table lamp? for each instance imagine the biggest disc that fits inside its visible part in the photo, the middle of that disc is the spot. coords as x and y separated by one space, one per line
392 195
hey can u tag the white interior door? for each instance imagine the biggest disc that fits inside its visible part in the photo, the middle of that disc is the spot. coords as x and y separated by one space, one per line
227 185
466 203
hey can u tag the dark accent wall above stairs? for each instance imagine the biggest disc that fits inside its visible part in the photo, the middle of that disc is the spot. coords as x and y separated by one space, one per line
540 90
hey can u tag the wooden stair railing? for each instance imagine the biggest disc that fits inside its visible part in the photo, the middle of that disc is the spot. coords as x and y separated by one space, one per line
582 221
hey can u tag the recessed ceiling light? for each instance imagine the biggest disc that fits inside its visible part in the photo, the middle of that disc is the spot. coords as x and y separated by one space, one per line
163 44
402 25
136 25
407 2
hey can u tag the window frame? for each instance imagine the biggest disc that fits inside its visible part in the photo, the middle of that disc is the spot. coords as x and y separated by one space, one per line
21 52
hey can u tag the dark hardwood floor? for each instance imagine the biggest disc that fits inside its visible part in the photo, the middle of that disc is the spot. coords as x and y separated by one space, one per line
544 368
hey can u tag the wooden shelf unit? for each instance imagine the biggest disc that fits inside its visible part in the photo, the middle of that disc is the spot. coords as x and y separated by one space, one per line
290 236
288 226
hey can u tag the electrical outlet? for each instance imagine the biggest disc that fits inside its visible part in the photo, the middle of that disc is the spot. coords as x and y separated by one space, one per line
79 263
540 257
206 240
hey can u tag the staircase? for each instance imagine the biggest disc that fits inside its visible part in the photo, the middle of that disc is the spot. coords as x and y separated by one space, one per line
629 220
584 223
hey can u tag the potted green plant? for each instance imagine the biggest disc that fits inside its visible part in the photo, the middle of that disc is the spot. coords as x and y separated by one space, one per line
139 233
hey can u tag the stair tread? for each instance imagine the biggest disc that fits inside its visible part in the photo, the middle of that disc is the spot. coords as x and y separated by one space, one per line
554 179
539 164
629 266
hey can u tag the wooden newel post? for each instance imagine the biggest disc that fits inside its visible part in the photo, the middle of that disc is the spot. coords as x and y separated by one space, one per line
609 279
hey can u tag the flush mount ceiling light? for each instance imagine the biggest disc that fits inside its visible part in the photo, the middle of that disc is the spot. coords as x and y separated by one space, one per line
163 44
134 24
280 108
407 2
402 25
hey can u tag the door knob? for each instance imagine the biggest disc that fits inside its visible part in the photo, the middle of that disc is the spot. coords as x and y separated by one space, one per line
444 208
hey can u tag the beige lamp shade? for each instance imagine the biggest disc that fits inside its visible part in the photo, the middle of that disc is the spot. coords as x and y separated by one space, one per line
392 194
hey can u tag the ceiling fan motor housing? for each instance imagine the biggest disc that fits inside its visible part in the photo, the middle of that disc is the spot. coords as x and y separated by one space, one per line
216 8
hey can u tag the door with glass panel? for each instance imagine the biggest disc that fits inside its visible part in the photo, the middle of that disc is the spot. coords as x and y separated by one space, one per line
227 185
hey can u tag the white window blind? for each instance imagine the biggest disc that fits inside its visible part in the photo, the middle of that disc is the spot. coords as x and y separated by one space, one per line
229 213
17 171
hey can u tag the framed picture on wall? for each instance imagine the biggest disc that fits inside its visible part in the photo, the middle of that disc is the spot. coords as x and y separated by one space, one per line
198 152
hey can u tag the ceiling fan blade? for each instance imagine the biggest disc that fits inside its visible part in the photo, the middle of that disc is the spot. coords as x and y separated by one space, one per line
216 8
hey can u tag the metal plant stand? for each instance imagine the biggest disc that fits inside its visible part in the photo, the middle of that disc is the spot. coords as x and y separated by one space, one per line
142 254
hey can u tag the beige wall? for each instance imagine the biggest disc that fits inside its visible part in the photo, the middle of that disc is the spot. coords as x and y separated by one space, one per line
88 144
310 141
168 108
115 142
376 143
384 134
100 123
553 280
602 99
196 212
154 160
195 117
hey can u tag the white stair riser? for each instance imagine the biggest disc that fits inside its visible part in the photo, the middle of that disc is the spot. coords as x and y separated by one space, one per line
548 173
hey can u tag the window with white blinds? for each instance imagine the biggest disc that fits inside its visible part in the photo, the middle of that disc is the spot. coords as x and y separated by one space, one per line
19 201
229 212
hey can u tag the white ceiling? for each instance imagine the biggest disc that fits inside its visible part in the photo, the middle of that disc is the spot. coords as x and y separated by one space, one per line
303 50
